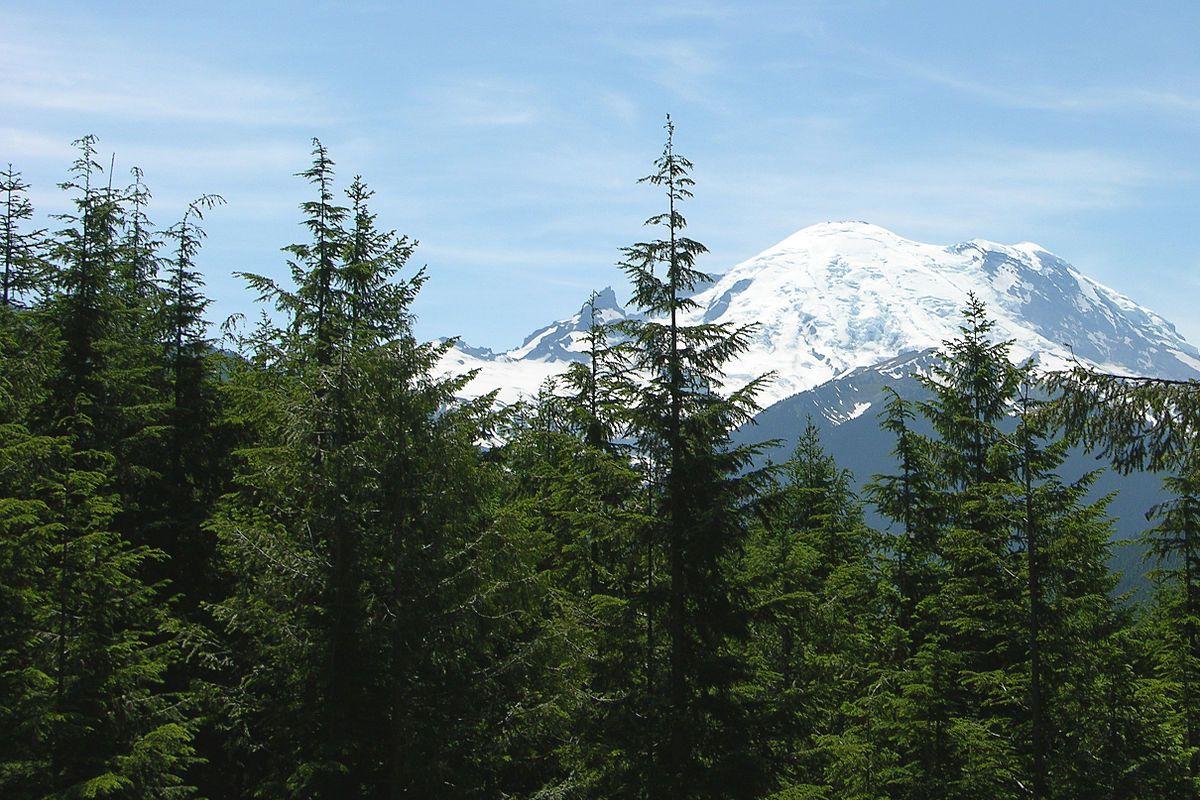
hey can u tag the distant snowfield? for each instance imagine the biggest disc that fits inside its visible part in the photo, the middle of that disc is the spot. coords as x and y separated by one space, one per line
839 296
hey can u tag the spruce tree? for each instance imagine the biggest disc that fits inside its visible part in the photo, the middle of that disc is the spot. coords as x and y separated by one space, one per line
819 630
24 267
191 470
99 641
1175 544
683 422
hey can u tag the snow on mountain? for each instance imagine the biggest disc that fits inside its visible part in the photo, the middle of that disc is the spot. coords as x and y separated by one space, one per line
840 296
546 352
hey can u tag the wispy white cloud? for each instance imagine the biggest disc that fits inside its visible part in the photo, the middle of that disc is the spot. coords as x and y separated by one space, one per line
1159 98
103 77
484 102
972 190
683 66
620 105
20 144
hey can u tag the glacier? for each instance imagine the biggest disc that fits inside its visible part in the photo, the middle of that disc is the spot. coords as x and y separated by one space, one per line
836 297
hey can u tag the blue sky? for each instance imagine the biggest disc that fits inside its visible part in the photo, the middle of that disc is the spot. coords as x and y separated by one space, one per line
507 137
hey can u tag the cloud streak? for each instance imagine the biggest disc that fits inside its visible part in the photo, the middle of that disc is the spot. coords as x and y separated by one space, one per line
106 78
484 102
1083 99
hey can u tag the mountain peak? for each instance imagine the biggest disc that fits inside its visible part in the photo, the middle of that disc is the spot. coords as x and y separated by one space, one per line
843 295
842 224
845 227
606 300
1018 250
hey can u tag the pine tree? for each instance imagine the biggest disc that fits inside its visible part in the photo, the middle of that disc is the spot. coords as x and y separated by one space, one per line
683 422
819 630
912 500
81 284
24 267
1175 544
92 699
381 626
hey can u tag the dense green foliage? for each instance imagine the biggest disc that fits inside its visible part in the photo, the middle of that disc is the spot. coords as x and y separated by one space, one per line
294 563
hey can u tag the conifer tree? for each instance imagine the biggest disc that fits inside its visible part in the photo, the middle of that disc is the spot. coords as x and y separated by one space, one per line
819 629
596 387
978 606
28 534
140 261
301 458
684 422
918 677
1139 422
578 485
1007 648
1071 615
912 500
381 623
98 640
1175 544
191 469
24 268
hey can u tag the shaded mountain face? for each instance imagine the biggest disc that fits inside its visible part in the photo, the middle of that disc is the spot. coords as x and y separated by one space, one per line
841 296
846 410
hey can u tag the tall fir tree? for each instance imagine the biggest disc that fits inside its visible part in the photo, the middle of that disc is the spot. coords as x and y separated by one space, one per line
683 422
1175 544
381 627
22 247
820 629
99 717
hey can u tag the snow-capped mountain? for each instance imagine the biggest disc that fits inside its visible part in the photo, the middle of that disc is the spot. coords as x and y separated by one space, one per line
841 296
546 352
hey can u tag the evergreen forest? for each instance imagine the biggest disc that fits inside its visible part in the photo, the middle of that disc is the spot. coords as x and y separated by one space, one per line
281 556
